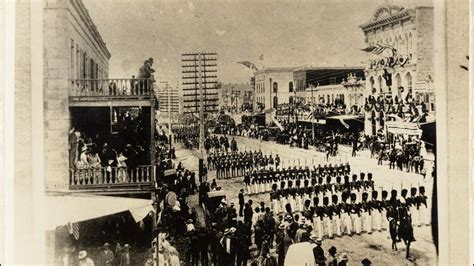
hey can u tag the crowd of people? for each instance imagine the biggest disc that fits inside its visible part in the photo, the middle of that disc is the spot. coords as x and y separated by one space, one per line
99 163
240 163
188 135
120 256
222 145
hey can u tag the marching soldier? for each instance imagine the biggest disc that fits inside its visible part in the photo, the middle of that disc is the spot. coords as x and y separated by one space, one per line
345 210
376 212
412 205
327 217
425 215
336 215
355 214
366 214
384 204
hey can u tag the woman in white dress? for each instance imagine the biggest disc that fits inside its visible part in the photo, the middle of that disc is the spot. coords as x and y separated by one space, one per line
122 168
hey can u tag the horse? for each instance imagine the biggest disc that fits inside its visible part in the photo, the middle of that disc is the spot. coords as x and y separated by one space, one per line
405 230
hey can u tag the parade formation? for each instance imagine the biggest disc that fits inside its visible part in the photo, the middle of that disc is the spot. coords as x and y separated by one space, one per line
308 165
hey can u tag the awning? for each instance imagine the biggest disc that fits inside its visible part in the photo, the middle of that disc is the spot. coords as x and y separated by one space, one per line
400 127
64 208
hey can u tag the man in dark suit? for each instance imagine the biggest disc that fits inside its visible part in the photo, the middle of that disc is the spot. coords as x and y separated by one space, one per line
318 253
241 202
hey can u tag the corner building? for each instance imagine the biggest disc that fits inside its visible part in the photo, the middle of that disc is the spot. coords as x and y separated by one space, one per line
410 33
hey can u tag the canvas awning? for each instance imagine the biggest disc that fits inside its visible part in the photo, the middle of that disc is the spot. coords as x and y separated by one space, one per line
400 127
64 208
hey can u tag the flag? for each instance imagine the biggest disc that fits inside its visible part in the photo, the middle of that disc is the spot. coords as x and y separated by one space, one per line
260 57
248 64
73 229
379 48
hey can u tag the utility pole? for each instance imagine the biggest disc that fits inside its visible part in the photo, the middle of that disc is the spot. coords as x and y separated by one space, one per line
201 115
197 79
168 87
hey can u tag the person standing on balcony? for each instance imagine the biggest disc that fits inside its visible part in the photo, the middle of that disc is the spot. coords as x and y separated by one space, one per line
145 72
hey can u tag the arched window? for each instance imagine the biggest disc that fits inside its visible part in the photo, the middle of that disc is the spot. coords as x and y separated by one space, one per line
398 80
409 81
372 83
380 83
275 87
290 86
410 44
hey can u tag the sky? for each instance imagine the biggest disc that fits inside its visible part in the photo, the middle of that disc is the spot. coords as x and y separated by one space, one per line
287 33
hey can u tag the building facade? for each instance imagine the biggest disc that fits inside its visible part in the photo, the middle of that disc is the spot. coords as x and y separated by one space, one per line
273 86
169 98
73 50
407 63
235 96
328 85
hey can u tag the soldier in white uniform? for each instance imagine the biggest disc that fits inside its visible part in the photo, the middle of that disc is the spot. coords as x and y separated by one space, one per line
355 214
336 216
327 215
376 212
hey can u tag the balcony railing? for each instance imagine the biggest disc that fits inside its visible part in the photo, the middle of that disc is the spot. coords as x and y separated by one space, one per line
111 88
109 177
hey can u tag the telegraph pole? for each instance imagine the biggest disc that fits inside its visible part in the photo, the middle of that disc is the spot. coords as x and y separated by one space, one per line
201 113
312 117
199 82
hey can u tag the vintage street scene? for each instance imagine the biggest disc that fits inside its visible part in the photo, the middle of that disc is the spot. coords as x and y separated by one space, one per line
240 132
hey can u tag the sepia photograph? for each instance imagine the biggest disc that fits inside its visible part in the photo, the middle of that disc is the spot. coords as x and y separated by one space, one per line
231 132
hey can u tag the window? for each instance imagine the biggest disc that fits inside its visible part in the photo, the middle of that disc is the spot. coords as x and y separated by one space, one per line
380 83
398 80
73 59
290 87
372 83
275 87
409 81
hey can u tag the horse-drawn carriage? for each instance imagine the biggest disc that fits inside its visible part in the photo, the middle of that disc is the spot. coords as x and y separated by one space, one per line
211 203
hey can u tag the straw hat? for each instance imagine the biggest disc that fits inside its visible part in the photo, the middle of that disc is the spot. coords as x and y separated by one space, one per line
82 254
344 257
281 226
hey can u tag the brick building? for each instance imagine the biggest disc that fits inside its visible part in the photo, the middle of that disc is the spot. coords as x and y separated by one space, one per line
409 64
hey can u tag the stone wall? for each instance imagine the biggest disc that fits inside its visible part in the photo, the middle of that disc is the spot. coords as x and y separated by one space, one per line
64 30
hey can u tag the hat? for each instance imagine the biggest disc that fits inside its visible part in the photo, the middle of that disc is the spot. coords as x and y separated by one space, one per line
232 230
106 245
84 148
82 255
189 221
226 231
319 241
344 257
332 250
126 246
281 226
314 237
366 261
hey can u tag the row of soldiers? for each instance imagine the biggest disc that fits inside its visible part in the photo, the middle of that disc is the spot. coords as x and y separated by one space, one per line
264 180
240 163
351 216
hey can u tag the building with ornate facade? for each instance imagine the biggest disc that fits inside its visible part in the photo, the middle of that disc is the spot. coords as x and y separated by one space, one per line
404 64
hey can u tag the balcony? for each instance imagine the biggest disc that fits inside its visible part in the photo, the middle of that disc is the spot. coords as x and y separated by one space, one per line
112 179
118 92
